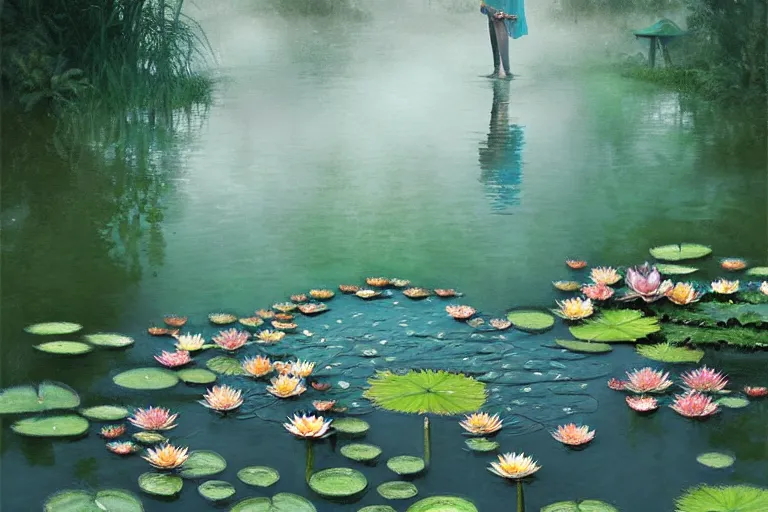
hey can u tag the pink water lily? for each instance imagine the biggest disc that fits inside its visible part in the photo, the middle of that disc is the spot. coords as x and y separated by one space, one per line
645 282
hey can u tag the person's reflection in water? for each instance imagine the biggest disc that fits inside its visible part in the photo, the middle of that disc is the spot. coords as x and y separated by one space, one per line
501 155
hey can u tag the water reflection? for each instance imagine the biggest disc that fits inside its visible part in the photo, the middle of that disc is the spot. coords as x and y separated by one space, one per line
500 156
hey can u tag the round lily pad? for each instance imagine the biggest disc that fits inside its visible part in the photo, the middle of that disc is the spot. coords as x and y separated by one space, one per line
225 365
68 425
338 482
260 476
360 452
46 397
675 270
351 426
531 320
443 504
196 376
111 340
149 438
481 444
406 464
105 413
253 505
202 463
679 252
108 500
584 346
758 271
377 508
397 490
146 378
716 460
53 328
64 348
160 484
733 402
216 490
580 506
282 502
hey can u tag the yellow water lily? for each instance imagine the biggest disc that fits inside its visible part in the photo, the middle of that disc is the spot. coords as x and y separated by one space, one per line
222 398
725 287
167 456
683 293
300 368
285 386
574 309
481 423
307 426
605 275
764 287
190 342
514 466
258 366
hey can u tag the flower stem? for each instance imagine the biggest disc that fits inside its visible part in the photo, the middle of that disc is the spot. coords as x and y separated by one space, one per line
520 497
427 450
310 461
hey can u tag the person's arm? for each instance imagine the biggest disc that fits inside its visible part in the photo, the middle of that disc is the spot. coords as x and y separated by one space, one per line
487 9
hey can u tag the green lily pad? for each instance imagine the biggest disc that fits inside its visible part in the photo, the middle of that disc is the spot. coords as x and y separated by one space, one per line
196 376
481 444
680 252
730 498
580 506
675 270
108 500
758 271
360 452
584 346
160 484
107 339
397 490
353 427
202 463
737 336
68 425
146 378
754 297
259 476
531 320
105 413
443 504
47 397
216 490
338 482
53 328
149 438
668 353
618 325
282 502
406 464
733 402
716 460
225 365
64 348
745 314
377 508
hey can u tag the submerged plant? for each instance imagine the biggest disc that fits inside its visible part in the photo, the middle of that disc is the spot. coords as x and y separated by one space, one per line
574 309
683 293
574 435
286 387
704 379
642 403
167 456
693 404
605 275
576 264
112 431
647 380
645 282
733 264
153 418
597 291
189 342
123 447
481 423
514 466
306 426
173 359
725 287
231 339
258 366
222 398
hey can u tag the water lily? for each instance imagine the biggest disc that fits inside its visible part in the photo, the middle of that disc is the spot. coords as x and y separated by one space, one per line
443 292
756 392
123 447
481 423
300 368
367 294
725 287
416 293
321 386
566 286
189 342
265 314
284 317
605 275
647 380
645 282
378 282
399 283
173 359
162 331
222 398
167 456
514 466
500 323
284 307
286 387
683 293
112 431
617 385
764 287
305 426
642 403
231 339
323 405
299 298
268 336
573 435
321 294
704 379
576 264
257 366
733 264
574 309
251 321
598 291
459 312
222 318
175 321
693 404
284 326
348 288
153 418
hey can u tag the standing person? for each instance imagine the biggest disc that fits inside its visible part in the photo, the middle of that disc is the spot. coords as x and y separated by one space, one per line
506 18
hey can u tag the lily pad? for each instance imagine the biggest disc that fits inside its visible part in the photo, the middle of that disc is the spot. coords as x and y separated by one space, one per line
443 504
202 463
397 490
715 460
225 365
47 397
580 506
351 426
64 348
53 328
668 353
216 490
738 336
733 402
68 425
338 482
105 413
481 444
730 498
196 376
146 378
745 314
675 270
360 452
149 438
619 325
111 340
531 320
108 500
758 271
584 346
680 252
406 464
259 476
282 502
160 484
377 508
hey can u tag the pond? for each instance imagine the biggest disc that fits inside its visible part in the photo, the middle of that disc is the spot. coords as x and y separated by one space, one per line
338 151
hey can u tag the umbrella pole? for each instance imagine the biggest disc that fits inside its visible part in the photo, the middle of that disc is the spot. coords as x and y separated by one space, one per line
427 450
520 497
310 461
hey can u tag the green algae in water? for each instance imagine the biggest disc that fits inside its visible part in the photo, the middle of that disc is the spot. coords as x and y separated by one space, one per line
481 444
733 402
202 463
64 348
225 365
619 325
731 498
110 340
105 413
397 490
47 397
107 500
443 504
668 353
216 490
353 427
715 460
360 452
580 506
196 376
282 502
338 482
146 378
53 328
149 438
406 464
259 476
531 320
584 346
678 252
68 425
675 270
160 484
